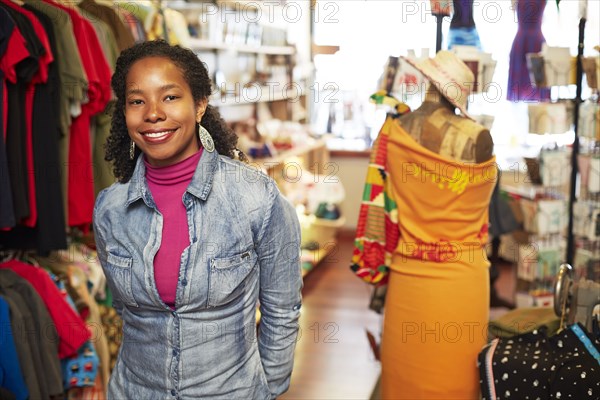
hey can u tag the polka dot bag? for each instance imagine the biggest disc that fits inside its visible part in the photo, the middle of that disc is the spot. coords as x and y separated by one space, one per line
533 366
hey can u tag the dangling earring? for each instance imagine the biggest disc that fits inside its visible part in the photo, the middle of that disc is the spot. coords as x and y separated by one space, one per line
206 139
132 150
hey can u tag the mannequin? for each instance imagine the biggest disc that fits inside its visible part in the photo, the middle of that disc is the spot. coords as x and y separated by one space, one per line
434 124
422 229
436 127
463 14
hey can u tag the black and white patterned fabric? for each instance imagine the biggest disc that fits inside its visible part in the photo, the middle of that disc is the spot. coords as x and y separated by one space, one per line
533 366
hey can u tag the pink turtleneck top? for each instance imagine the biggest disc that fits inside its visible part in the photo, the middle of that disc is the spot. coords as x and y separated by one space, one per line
167 185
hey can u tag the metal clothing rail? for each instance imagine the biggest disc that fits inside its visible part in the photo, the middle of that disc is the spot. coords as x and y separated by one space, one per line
575 152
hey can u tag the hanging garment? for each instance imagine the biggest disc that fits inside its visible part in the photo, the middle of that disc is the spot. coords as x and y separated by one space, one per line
80 274
112 326
437 302
39 330
110 17
462 26
78 370
463 37
11 377
69 62
100 123
134 25
71 329
20 320
463 14
502 219
49 231
78 280
7 26
45 57
74 88
80 186
16 87
535 366
529 39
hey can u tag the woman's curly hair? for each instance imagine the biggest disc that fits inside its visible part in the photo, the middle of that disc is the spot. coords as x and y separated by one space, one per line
196 76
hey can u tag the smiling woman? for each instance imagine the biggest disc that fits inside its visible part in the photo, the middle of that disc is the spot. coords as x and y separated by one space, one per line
190 241
152 69
160 112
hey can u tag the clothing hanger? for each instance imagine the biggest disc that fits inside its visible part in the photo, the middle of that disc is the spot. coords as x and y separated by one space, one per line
7 255
68 3
18 2
25 256
28 257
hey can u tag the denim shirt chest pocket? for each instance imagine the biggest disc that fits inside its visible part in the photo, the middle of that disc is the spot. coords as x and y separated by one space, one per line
119 273
228 277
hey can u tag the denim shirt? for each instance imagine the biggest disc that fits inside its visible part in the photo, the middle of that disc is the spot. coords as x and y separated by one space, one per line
244 249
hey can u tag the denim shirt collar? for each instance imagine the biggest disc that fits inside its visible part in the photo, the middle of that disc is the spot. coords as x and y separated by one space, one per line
199 187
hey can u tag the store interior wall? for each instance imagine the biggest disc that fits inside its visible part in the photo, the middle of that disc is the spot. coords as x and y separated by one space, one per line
351 172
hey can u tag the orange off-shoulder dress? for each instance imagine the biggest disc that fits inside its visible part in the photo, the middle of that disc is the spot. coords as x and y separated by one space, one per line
437 303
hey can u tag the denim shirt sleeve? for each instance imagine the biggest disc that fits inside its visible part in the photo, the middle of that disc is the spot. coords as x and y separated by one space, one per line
99 237
280 291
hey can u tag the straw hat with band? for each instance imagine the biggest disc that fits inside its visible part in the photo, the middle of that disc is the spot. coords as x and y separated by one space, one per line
451 77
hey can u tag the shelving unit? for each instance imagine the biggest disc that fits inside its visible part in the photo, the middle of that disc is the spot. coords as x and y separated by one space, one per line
312 156
585 227
250 59
536 250
253 67
578 240
207 45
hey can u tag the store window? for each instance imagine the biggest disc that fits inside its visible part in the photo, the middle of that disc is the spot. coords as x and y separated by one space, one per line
368 32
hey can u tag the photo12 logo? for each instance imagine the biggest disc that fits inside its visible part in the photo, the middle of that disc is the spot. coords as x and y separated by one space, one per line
255 92
272 11
490 11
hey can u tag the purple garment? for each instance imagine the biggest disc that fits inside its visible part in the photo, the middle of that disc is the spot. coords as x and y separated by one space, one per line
529 39
167 185
463 14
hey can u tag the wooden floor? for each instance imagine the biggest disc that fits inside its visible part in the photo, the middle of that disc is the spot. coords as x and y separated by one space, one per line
333 358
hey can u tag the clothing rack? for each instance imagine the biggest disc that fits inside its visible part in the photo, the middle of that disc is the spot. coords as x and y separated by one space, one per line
575 152
439 19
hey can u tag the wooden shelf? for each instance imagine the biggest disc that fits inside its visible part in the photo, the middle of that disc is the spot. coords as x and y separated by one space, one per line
324 49
207 45
239 4
528 191
183 5
279 159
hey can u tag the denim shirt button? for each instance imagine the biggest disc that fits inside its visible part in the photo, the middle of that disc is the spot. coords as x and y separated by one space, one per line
174 352
173 313
184 282
173 392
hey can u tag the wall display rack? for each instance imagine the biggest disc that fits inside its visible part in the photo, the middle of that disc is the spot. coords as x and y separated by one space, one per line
577 242
253 71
